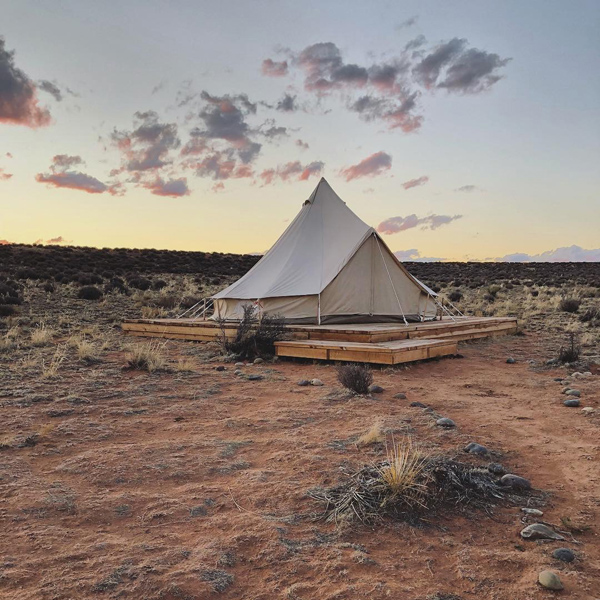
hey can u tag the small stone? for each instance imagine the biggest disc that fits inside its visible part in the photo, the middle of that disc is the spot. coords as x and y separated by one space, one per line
588 410
515 481
496 469
575 393
550 580
375 389
572 402
557 379
258 361
316 382
587 374
474 448
220 368
239 364
304 382
237 372
564 554
400 396
510 361
552 361
445 422
255 377
576 375
418 405
534 512
539 531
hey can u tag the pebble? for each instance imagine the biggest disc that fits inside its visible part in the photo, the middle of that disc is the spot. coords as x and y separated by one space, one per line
587 374
445 422
237 372
239 364
316 382
220 368
511 361
304 382
564 554
400 396
588 409
572 402
515 481
550 580
375 389
575 393
552 361
255 377
532 511
418 405
496 469
474 448
258 361
558 379
539 531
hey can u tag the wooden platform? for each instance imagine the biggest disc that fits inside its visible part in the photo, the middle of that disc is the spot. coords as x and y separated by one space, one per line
383 343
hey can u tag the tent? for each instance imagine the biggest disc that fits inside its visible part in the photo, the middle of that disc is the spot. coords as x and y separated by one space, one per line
329 267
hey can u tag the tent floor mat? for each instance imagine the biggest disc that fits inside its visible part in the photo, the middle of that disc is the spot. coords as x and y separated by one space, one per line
339 341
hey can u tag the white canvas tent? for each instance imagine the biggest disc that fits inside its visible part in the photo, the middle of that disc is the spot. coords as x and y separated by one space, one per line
329 267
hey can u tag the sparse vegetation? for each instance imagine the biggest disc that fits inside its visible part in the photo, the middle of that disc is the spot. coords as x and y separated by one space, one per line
571 352
42 335
147 356
570 305
90 292
356 378
374 435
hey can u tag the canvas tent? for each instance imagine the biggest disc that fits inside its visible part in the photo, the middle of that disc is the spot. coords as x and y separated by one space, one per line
329 267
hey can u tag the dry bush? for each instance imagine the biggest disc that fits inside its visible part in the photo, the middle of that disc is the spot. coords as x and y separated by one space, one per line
355 377
374 435
148 356
87 351
570 305
42 335
571 352
50 369
153 312
185 365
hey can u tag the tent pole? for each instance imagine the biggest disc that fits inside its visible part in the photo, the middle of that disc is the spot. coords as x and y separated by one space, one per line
390 278
319 310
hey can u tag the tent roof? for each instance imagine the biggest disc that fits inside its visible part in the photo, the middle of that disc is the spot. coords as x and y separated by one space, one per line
309 254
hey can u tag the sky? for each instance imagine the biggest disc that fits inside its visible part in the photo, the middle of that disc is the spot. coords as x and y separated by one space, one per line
460 130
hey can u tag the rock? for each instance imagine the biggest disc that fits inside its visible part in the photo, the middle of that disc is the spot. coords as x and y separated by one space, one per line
572 402
564 554
220 368
474 448
316 382
588 410
304 382
258 361
400 396
577 375
550 580
496 469
510 361
239 364
375 389
237 372
255 377
532 511
575 393
552 361
587 374
418 405
539 531
515 482
445 422
557 379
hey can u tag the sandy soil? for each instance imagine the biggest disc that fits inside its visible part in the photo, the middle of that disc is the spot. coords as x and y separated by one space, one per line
193 485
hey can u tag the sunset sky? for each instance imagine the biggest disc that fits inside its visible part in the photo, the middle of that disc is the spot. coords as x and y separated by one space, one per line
461 130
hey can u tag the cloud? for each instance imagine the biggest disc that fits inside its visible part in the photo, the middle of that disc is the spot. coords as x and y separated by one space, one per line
60 177
371 166
564 254
51 88
413 255
292 171
287 103
467 189
397 224
4 176
415 182
174 188
220 166
18 95
302 144
218 187
272 68
407 23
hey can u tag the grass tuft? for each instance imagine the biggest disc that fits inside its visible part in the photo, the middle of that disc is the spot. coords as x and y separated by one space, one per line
147 356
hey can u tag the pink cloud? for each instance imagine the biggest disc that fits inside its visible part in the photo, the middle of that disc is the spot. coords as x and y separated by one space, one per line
4 176
273 68
397 224
292 171
73 180
174 188
373 165
415 182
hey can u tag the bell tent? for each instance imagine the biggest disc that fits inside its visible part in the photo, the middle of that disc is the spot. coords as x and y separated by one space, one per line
329 267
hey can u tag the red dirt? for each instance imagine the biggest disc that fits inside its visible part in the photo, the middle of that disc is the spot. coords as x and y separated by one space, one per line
113 502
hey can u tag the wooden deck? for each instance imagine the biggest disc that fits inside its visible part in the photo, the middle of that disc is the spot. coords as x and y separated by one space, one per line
382 343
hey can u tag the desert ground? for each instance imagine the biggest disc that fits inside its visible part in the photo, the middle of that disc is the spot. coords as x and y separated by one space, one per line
185 480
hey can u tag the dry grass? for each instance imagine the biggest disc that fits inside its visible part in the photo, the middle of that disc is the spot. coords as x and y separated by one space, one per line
374 435
185 365
50 369
148 356
87 351
42 335
153 312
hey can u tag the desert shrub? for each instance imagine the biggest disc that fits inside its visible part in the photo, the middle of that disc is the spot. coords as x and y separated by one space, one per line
42 335
89 279
140 283
167 301
189 301
159 284
7 310
255 335
48 287
454 296
570 305
356 377
116 284
489 298
90 292
591 315
535 293
148 356
375 435
571 352
494 289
